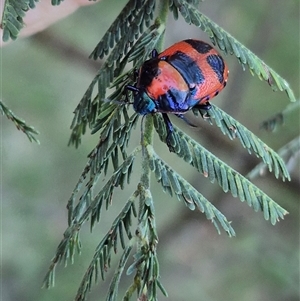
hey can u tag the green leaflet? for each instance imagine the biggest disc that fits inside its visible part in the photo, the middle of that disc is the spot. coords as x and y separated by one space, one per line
172 182
216 170
288 151
87 110
102 257
29 131
124 30
12 19
233 129
90 207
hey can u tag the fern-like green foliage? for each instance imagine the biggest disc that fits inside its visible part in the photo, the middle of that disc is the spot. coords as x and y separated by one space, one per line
228 179
28 130
173 183
88 109
12 19
90 207
228 44
130 39
273 122
233 129
288 152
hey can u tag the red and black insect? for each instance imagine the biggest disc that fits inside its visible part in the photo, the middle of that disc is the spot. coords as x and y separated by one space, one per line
185 75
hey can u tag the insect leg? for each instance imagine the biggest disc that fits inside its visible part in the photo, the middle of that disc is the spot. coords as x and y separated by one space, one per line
132 88
185 120
170 130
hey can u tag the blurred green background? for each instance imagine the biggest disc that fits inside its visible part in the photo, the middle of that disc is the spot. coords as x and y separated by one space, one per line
43 79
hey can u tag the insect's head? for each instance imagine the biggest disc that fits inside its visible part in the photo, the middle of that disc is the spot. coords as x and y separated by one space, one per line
142 104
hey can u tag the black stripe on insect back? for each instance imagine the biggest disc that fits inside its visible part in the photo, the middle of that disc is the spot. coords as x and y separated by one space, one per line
187 67
217 64
148 71
200 46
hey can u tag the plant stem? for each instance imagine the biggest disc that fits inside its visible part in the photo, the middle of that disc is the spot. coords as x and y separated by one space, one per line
163 9
143 235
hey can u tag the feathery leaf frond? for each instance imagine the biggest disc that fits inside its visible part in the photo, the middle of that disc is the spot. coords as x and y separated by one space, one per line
12 18
126 28
56 2
65 251
146 262
216 170
20 124
113 139
102 257
172 182
278 119
174 6
228 44
87 110
288 152
88 207
114 285
233 129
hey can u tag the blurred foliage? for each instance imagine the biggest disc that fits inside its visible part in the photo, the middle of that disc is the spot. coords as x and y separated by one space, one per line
42 83
12 17
20 124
